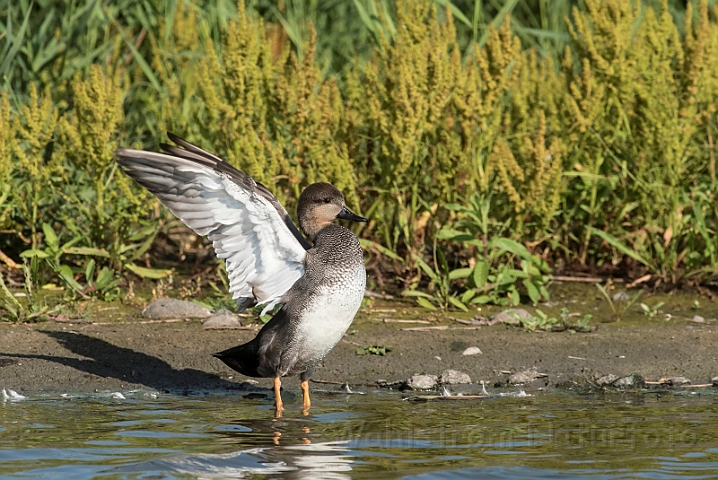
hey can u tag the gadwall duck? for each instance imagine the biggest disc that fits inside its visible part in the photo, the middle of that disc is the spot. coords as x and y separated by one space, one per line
320 285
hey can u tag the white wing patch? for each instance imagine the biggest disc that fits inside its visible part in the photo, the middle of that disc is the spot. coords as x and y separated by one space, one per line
263 257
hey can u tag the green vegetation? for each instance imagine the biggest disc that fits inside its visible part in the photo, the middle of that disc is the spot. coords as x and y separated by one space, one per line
380 350
553 324
486 141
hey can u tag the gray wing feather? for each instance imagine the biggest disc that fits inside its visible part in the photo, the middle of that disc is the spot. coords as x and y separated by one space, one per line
246 223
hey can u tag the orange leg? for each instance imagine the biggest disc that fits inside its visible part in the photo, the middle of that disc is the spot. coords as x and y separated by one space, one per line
305 393
278 397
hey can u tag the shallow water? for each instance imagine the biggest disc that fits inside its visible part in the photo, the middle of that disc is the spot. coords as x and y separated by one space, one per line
375 435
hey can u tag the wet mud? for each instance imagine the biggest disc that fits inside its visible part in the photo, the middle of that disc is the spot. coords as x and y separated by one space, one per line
123 351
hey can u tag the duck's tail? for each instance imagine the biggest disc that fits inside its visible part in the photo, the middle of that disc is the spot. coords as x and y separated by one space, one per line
243 358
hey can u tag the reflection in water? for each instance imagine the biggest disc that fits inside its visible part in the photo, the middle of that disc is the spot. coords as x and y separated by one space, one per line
328 460
347 436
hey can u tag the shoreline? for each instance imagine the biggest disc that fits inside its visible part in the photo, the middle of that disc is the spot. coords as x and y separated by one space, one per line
129 353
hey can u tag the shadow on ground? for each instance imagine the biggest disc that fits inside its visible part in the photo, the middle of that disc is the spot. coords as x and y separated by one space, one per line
104 359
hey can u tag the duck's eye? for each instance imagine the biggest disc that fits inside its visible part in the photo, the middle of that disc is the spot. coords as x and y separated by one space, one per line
327 200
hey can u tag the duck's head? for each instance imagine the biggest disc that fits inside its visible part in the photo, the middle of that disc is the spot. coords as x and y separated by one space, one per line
319 205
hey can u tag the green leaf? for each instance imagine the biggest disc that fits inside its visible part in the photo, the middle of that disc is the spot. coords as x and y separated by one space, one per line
514 296
34 252
97 252
482 299
416 293
144 272
104 279
90 271
449 233
425 303
467 296
480 273
457 303
426 268
14 44
544 292
459 273
66 274
143 247
455 207
50 236
618 245
511 246
532 290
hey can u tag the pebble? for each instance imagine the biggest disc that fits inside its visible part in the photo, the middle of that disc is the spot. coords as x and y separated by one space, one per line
454 377
173 308
472 351
423 382
222 319
511 316
698 319
634 380
621 297
525 376
606 380
714 381
675 381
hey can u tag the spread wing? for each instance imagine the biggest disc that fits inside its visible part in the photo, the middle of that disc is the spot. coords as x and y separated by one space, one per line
247 225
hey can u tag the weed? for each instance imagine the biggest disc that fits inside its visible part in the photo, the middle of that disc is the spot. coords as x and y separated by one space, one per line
651 311
596 135
373 350
616 310
543 322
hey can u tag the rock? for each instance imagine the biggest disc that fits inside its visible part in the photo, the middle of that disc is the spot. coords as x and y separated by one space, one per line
634 380
222 319
714 381
454 377
526 376
472 351
606 380
423 382
173 308
621 297
699 319
511 316
675 381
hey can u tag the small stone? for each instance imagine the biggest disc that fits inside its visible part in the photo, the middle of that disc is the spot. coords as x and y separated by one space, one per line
526 376
472 351
675 381
222 319
714 381
511 316
423 382
634 380
621 297
454 377
606 380
173 308
699 319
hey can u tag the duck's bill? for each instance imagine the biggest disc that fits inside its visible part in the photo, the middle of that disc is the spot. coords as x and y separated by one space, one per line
347 214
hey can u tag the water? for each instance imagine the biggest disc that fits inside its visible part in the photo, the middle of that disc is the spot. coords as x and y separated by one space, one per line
376 435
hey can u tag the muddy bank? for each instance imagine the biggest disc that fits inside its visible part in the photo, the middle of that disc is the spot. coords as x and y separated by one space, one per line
122 353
